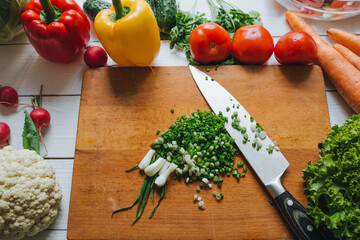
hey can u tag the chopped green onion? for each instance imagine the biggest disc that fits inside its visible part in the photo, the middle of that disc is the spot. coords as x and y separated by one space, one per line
219 196
132 169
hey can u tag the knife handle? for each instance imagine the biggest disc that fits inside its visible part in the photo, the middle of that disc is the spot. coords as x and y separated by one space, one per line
297 218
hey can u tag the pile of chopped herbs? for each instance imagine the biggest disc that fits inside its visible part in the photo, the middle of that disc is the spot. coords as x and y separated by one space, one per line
333 182
201 148
200 145
225 14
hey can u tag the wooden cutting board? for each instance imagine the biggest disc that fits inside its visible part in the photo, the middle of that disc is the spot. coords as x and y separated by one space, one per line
122 108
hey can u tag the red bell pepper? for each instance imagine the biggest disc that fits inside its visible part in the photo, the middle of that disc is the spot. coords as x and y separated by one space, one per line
58 30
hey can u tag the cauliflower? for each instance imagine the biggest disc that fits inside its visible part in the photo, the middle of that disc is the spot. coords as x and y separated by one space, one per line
29 194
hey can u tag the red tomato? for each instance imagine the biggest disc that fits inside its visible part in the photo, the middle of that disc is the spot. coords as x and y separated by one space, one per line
209 42
295 48
252 44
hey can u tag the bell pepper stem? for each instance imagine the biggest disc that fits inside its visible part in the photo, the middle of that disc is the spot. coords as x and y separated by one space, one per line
48 9
119 10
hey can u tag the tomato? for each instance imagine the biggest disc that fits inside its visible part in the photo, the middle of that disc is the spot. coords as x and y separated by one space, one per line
209 42
252 44
295 48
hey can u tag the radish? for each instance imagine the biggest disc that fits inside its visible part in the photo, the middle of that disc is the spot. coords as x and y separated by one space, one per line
8 96
4 132
95 57
40 116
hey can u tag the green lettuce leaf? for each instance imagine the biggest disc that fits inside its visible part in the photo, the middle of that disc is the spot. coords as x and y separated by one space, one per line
333 182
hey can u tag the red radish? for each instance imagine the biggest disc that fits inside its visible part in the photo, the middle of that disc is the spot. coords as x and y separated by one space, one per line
95 57
41 118
8 96
4 132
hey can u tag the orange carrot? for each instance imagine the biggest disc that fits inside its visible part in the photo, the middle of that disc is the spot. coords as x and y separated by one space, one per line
346 39
337 4
348 55
344 76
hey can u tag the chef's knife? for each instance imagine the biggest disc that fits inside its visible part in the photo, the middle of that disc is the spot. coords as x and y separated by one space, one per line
260 152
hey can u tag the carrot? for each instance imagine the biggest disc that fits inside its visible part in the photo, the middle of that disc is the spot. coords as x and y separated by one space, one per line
346 39
344 76
348 55
337 4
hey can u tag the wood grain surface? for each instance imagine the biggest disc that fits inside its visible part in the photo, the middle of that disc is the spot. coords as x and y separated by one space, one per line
120 111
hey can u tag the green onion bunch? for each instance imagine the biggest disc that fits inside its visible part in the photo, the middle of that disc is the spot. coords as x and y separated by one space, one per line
200 145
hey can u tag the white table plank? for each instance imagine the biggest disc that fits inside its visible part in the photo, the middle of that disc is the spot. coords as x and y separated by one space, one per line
64 171
338 109
23 69
59 136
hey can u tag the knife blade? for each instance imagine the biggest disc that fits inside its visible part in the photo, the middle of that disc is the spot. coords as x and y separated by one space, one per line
260 152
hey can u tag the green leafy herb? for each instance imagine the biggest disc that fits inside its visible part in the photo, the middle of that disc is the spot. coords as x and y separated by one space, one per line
232 18
186 22
333 182
30 136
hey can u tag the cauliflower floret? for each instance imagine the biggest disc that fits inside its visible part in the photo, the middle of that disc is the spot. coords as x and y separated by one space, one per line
29 193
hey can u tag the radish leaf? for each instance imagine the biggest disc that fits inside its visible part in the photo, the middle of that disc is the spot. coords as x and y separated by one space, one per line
30 136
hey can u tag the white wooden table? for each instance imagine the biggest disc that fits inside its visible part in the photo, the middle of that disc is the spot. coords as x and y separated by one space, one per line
23 69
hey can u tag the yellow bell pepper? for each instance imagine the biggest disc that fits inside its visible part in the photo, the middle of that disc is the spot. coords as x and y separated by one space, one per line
133 39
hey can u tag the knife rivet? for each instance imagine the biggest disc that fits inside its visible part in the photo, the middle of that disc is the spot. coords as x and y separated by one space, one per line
290 203
309 228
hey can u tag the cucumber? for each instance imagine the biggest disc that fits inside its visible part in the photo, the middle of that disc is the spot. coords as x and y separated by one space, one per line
165 13
93 7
